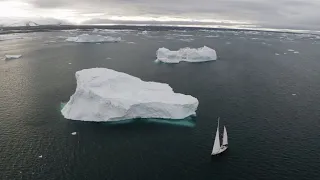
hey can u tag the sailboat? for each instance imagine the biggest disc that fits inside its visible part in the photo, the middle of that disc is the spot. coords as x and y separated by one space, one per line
217 147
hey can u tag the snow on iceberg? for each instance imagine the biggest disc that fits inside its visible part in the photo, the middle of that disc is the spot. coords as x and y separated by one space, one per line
17 22
107 95
186 54
86 38
8 57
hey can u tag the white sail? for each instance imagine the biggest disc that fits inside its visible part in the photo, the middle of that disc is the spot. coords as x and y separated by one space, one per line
216 145
225 137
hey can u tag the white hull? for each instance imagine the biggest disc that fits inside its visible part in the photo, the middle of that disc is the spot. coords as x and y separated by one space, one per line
222 149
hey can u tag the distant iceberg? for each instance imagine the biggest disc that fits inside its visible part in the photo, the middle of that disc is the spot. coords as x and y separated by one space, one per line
17 22
144 32
107 95
8 57
186 54
86 38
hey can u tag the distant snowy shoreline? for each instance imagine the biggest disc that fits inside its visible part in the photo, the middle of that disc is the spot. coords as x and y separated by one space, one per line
42 28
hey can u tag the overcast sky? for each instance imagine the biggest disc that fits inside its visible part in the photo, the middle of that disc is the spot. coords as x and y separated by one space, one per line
297 14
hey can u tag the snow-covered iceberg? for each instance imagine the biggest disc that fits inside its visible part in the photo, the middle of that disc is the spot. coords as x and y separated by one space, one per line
8 57
107 95
86 38
16 22
186 54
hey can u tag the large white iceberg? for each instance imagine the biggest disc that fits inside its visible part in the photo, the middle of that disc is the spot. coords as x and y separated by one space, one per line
86 38
186 54
107 95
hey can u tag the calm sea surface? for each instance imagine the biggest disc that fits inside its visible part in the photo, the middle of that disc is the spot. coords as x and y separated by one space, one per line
269 103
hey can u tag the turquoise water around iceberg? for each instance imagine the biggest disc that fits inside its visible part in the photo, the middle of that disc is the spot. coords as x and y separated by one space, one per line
187 122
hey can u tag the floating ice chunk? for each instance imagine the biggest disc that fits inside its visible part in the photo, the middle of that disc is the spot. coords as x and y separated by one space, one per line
69 63
296 52
144 33
185 35
107 95
108 58
187 40
294 94
228 43
86 38
290 50
7 57
284 53
40 156
186 54
131 43
74 133
277 54
213 36
95 30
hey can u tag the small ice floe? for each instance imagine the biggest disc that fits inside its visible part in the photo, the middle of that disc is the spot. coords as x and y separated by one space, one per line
187 40
131 43
69 63
86 38
290 50
74 133
40 156
284 53
7 57
296 52
144 32
227 43
294 94
185 35
277 54
95 30
108 58
98 43
212 36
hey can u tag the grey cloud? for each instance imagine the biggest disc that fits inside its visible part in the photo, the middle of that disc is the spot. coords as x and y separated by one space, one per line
278 13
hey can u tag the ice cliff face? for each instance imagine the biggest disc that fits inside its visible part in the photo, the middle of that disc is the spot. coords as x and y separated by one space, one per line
107 95
186 54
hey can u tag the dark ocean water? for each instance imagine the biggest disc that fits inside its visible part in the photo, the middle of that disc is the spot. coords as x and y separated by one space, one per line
272 133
